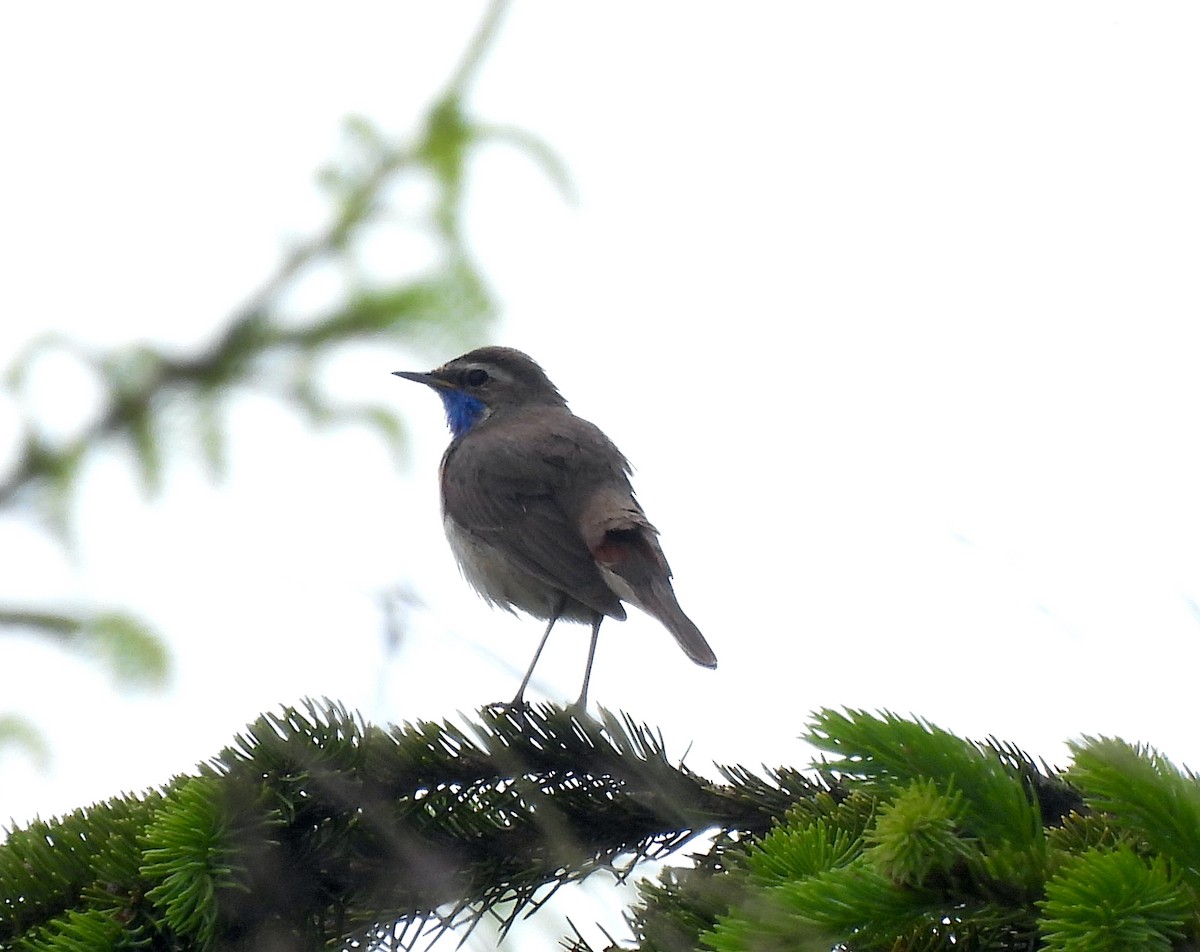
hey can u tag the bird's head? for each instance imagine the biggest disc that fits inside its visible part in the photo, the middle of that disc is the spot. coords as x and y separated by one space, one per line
476 385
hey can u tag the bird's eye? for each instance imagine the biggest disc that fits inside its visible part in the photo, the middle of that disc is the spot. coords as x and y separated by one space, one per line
476 377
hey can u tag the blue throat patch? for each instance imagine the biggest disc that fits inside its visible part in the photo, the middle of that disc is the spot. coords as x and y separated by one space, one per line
463 411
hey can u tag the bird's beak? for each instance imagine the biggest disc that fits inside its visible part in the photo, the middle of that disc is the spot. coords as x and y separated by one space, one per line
428 379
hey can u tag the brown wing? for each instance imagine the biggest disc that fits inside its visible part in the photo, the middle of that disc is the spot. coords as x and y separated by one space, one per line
520 488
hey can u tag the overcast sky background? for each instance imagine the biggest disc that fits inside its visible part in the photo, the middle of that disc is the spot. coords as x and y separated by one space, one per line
893 307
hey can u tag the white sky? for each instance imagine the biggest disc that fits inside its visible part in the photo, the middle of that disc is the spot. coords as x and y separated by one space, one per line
893 307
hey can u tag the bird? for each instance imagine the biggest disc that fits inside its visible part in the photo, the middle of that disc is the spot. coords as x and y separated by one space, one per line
538 507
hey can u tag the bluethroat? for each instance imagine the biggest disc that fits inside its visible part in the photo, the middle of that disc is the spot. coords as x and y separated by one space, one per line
538 507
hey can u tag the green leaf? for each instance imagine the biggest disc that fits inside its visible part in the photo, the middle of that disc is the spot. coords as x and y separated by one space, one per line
147 450
16 732
443 150
136 655
133 377
210 435
539 151
57 472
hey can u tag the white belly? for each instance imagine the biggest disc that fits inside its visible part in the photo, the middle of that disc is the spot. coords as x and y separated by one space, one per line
494 577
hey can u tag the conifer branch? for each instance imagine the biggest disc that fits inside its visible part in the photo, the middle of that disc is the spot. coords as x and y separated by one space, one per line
313 830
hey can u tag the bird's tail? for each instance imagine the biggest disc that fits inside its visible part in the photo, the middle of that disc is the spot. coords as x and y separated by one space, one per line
626 550
658 600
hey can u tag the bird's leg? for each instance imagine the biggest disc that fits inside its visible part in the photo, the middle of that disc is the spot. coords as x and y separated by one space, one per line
519 701
581 704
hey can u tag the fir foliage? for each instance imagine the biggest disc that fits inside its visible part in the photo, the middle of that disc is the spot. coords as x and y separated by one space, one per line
184 854
74 883
952 844
314 830
887 753
1114 900
1156 803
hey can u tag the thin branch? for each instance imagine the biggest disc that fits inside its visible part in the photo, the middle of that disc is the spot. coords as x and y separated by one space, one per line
122 411
480 43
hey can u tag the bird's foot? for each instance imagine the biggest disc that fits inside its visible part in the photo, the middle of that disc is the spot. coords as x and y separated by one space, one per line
579 711
517 705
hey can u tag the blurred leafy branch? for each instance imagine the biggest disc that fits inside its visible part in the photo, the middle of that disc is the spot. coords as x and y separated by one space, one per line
144 386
